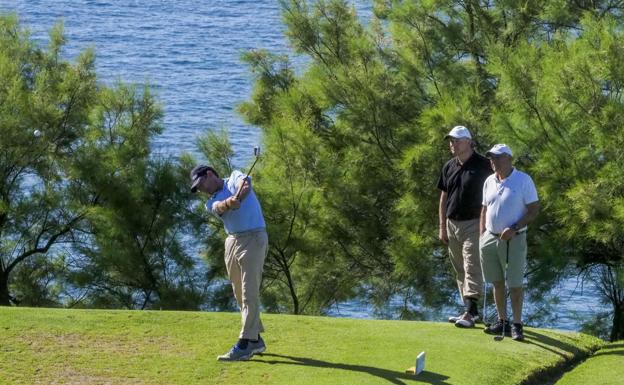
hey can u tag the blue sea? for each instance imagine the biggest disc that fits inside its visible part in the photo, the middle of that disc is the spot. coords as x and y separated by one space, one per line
189 53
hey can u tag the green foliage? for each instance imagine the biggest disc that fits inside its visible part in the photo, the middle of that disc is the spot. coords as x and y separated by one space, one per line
88 217
327 181
44 103
355 142
599 325
38 281
216 146
135 255
565 113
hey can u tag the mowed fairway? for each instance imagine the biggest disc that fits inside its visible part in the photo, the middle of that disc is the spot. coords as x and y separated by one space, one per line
54 346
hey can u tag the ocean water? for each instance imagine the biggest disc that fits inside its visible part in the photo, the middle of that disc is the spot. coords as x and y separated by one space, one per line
573 303
189 53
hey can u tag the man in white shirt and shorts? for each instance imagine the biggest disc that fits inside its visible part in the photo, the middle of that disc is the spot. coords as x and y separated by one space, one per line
510 203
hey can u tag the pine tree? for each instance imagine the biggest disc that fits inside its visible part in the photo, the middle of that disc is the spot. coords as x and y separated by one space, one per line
44 103
357 136
566 114
87 216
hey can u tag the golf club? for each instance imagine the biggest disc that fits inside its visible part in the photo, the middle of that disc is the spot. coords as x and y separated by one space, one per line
257 155
485 315
502 336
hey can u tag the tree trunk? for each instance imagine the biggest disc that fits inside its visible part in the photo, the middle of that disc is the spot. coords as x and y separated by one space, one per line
617 329
5 298
291 287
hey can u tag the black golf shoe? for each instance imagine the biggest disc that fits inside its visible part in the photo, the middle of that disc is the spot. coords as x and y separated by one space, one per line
516 332
497 328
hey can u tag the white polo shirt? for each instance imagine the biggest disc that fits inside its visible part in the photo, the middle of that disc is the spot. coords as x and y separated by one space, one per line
506 200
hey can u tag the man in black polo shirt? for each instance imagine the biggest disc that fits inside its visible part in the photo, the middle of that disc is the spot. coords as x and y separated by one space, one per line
461 185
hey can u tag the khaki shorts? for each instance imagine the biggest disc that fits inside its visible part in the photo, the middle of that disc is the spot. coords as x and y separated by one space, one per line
494 256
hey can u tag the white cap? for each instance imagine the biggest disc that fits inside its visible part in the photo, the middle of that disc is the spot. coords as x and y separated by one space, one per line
499 149
459 132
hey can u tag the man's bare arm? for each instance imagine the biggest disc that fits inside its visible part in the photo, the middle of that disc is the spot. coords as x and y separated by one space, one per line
220 207
482 219
442 234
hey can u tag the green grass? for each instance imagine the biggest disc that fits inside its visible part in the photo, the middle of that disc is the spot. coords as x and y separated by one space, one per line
48 346
605 367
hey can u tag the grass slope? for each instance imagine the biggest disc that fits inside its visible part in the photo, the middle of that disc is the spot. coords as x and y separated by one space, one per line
605 367
55 346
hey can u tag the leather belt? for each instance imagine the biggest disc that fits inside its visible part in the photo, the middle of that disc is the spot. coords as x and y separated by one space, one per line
517 232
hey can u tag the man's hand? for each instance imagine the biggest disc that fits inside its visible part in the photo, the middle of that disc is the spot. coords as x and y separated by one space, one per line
230 203
507 234
443 236
233 203
243 189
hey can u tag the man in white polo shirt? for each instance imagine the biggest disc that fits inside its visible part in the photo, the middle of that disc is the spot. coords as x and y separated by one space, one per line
510 203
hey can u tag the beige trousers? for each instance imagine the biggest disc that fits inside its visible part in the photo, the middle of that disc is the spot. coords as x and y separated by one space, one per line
244 260
464 253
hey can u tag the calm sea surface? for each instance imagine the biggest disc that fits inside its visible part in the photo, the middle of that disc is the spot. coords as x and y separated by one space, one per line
189 53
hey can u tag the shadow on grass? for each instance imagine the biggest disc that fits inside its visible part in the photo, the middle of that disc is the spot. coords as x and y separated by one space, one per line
549 343
611 350
551 375
389 375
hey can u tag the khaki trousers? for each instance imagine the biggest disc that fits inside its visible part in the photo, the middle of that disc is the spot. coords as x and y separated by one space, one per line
244 260
464 254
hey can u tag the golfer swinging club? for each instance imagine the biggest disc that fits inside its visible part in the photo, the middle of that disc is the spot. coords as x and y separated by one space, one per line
234 202
510 203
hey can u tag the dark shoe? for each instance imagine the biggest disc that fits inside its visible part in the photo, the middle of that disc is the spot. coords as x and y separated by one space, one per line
236 354
257 347
516 332
466 321
497 328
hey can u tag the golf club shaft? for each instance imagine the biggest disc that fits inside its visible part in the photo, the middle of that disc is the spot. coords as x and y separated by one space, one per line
505 289
485 302
504 321
246 176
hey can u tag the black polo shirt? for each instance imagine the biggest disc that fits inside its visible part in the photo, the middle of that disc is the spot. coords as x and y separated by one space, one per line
464 185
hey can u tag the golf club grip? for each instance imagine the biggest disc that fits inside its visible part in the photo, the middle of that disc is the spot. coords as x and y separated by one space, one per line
241 189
